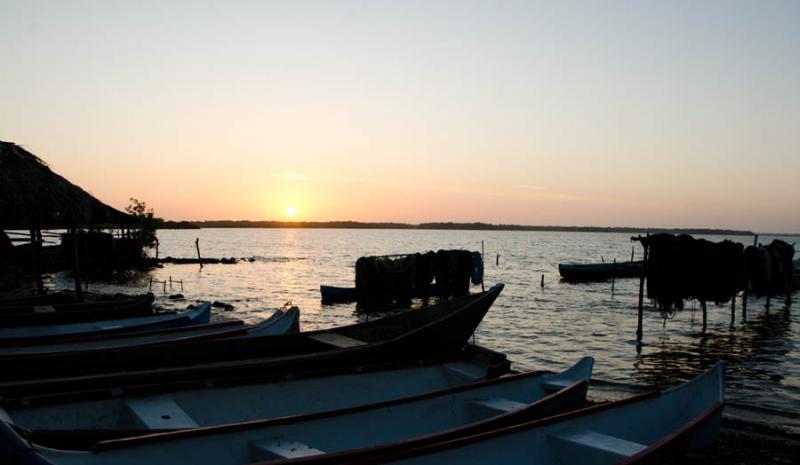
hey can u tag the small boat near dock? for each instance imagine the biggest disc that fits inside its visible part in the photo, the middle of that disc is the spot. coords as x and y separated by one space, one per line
50 314
281 322
21 334
635 430
600 271
80 419
334 294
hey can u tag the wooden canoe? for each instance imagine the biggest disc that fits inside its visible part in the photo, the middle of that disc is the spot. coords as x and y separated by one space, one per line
281 322
81 423
599 271
32 315
334 294
23 334
429 418
425 333
635 430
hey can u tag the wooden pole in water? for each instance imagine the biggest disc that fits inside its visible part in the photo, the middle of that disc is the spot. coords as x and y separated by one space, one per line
633 247
641 297
744 305
542 283
37 269
483 259
733 308
76 267
705 314
197 246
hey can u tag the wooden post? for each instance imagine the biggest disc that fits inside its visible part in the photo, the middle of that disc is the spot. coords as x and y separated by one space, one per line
76 266
542 283
633 247
744 305
705 314
197 246
733 309
156 248
641 297
483 259
37 267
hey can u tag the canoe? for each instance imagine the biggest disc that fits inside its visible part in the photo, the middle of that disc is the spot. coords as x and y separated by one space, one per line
600 271
78 421
640 429
424 333
430 417
17 334
281 322
333 294
32 315
44 299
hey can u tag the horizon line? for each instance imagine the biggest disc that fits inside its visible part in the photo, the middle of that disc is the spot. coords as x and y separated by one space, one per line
450 225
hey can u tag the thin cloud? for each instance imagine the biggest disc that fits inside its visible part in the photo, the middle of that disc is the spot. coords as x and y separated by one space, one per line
529 187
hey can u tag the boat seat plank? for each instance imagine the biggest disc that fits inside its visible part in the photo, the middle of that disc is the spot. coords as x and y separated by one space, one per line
574 447
464 371
159 413
44 309
494 406
336 340
280 448
556 385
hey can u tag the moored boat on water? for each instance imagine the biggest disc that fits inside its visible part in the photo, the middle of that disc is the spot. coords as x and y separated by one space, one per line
600 271
79 419
59 313
635 430
23 334
335 294
425 333
426 418
281 322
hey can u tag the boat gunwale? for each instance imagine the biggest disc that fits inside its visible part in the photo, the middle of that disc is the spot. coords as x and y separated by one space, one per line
669 439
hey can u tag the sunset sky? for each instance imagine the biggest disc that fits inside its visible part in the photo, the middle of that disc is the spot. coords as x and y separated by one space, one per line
640 113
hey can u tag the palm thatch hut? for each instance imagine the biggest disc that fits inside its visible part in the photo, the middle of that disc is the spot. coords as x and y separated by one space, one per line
33 198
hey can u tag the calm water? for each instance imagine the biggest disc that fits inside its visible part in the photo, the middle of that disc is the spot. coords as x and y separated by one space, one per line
538 327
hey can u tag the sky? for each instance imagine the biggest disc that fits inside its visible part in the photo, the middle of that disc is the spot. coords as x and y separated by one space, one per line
624 113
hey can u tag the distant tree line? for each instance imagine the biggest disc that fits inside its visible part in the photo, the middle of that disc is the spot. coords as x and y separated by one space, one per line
164 224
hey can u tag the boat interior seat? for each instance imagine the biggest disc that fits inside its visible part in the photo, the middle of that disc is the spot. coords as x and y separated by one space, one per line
459 372
280 448
336 340
574 446
43 309
107 326
485 408
556 385
159 413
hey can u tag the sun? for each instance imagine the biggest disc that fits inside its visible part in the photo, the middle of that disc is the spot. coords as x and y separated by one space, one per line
291 211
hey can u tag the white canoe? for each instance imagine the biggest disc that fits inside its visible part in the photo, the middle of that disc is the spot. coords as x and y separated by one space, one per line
430 417
280 322
242 400
199 315
635 430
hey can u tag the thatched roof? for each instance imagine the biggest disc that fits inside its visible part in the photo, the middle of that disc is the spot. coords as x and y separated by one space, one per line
33 196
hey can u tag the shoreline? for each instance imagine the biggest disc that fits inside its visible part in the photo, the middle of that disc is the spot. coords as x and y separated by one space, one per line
246 224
